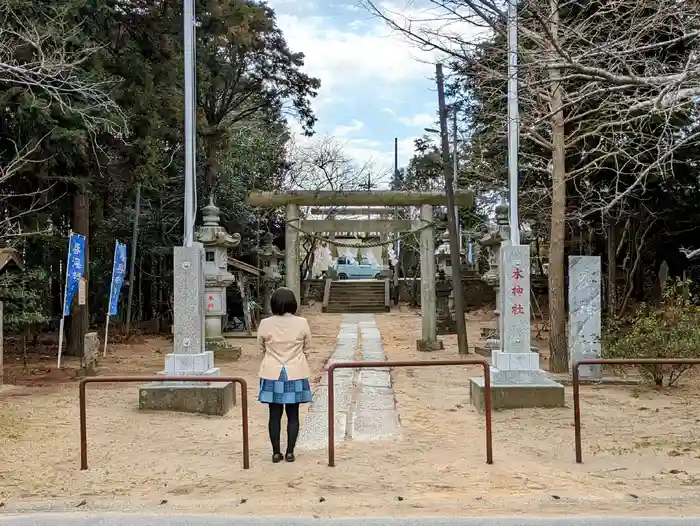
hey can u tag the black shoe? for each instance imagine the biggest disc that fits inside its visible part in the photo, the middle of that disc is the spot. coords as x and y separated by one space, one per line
277 457
289 457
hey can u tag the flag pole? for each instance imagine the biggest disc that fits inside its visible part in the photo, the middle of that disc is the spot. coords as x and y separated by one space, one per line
111 291
104 352
61 325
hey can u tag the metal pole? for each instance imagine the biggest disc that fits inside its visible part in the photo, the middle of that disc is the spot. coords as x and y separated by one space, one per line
455 173
451 218
513 120
397 269
132 262
190 130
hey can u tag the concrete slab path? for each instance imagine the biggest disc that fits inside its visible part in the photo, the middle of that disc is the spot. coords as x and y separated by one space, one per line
364 399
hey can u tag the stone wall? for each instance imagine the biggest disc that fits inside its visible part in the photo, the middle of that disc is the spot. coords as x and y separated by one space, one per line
477 294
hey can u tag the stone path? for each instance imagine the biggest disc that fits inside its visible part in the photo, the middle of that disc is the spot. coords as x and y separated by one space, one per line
364 399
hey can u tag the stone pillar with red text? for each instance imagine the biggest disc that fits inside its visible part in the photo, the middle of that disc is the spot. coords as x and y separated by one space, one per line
515 353
516 378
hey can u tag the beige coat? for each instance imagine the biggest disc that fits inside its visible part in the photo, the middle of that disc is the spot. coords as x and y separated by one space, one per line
285 342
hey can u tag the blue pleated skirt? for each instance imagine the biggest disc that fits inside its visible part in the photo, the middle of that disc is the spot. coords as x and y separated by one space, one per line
284 390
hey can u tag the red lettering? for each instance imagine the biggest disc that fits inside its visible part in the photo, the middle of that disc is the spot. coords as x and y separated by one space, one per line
518 309
517 291
518 274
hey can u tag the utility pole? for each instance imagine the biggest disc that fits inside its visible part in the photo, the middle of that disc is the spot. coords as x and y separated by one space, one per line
451 218
132 262
397 268
190 122
513 120
455 173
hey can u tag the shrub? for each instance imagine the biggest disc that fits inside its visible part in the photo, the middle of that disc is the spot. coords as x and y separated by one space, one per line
670 331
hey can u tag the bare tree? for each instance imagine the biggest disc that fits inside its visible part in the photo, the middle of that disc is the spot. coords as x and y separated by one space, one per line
40 60
323 164
607 89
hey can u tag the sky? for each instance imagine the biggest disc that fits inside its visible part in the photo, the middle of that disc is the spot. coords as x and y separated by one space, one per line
375 84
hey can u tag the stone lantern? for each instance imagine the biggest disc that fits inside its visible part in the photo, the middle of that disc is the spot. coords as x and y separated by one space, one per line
492 243
270 257
217 278
444 305
442 254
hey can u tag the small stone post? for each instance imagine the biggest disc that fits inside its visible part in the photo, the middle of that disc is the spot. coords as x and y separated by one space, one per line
291 263
428 341
91 353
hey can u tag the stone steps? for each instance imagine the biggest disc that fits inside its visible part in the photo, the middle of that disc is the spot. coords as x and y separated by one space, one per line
356 296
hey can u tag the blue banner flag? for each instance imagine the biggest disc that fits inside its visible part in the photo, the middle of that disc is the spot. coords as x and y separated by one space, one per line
118 273
75 268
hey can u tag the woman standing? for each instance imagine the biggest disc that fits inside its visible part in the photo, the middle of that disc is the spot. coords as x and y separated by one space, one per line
285 341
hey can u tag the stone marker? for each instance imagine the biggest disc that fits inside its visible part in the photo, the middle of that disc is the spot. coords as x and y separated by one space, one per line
585 313
516 379
188 357
91 352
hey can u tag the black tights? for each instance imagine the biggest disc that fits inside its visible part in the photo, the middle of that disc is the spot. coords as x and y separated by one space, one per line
275 426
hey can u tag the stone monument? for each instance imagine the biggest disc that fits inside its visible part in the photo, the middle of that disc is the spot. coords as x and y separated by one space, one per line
516 379
270 256
446 323
189 356
217 278
585 313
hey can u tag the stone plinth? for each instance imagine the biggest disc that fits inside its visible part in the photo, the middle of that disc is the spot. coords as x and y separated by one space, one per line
188 357
429 346
517 390
209 399
585 313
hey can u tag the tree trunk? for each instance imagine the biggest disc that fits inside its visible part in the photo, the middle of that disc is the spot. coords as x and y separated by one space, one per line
559 356
612 272
79 314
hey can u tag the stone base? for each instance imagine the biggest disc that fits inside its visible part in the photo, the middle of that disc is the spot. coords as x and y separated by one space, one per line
223 349
487 352
446 327
483 351
429 346
517 390
213 399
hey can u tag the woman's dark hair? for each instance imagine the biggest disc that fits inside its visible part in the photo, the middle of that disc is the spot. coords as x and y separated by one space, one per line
283 302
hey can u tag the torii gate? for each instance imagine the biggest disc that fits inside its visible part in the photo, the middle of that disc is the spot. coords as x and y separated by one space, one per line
293 199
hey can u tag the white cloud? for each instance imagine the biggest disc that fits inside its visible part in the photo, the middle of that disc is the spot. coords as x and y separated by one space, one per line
342 58
420 120
345 130
349 50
